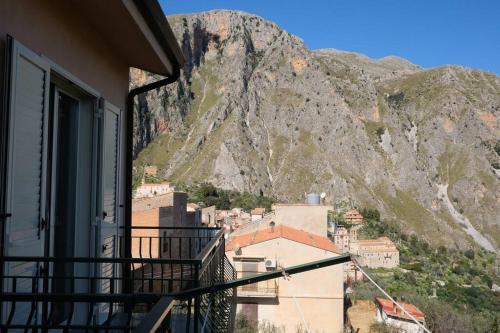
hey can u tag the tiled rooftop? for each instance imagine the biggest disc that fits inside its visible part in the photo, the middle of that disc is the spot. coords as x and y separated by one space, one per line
392 310
191 207
353 214
258 211
142 204
156 184
281 231
381 244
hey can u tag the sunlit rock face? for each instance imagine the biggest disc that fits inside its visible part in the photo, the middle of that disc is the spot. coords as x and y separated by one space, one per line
255 110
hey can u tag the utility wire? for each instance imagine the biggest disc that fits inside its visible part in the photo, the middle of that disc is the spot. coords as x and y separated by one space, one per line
287 278
206 318
388 296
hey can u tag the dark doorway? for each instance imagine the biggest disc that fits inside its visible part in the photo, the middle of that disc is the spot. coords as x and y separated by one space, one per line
65 199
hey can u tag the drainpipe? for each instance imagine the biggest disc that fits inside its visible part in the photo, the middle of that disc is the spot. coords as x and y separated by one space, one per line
129 163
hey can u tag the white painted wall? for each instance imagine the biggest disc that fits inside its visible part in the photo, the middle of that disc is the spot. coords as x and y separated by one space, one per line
310 218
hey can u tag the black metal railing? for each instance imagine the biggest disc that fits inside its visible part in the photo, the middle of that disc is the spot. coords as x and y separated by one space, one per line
206 312
90 294
180 246
217 310
82 298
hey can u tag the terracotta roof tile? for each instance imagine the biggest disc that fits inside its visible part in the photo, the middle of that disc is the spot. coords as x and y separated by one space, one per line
392 310
353 214
258 211
281 231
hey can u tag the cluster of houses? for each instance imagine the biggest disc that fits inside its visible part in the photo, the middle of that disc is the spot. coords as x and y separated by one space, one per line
66 208
372 253
290 234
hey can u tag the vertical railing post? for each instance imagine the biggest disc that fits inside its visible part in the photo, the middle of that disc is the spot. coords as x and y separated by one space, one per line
127 284
197 298
45 304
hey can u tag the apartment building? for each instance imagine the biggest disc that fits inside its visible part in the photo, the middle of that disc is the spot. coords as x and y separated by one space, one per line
312 218
347 232
375 253
66 151
317 295
341 237
155 220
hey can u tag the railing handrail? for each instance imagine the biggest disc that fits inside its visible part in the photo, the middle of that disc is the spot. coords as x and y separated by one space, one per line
154 319
92 260
202 256
84 297
184 294
170 228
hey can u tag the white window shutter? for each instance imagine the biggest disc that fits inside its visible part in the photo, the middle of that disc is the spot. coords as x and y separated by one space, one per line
29 85
109 218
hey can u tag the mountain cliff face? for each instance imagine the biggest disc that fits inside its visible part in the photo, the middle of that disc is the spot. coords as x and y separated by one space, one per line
256 110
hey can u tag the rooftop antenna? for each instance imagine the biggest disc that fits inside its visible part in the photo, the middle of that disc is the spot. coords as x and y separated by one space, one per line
322 196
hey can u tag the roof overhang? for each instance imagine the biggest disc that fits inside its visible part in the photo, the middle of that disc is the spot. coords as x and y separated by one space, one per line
137 30
150 18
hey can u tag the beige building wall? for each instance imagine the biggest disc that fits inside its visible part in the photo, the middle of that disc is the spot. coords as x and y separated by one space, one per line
152 190
379 259
59 32
310 218
208 216
319 293
162 211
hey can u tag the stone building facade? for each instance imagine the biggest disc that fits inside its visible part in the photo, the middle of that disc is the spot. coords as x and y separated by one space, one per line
375 253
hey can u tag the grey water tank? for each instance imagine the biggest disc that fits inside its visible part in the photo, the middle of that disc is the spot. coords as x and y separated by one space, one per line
313 199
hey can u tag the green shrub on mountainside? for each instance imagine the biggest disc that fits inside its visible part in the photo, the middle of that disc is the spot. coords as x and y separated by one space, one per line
451 286
210 195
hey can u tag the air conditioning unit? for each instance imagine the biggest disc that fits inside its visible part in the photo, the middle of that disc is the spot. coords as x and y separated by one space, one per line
270 264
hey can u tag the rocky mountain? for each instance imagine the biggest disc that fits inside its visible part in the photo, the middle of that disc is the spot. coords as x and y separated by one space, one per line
256 110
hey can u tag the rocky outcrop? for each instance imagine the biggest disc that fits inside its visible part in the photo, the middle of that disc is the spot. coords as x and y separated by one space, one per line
255 110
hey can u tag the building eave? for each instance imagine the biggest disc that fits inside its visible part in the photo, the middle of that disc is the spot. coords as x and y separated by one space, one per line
157 30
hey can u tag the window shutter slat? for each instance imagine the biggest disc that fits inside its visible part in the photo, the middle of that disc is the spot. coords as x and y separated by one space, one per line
26 164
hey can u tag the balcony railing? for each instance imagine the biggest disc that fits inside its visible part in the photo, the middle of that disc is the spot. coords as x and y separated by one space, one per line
115 294
268 288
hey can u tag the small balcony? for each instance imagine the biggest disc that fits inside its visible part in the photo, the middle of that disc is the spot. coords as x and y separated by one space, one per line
263 289
117 293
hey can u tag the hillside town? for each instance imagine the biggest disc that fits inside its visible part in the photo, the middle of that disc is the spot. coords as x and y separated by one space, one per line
173 166
260 240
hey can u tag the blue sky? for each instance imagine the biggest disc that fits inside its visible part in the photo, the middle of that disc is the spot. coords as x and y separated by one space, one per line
426 32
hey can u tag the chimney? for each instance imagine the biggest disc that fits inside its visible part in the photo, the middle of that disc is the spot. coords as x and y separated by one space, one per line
394 307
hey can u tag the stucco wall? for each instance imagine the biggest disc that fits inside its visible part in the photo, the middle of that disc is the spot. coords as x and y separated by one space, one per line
318 292
310 218
57 31
145 191
376 254
170 211
208 216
